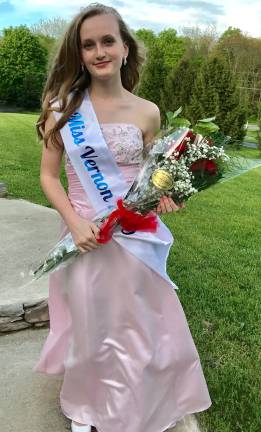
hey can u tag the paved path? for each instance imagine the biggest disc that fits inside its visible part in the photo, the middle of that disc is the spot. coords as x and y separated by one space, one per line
27 232
252 127
249 144
29 400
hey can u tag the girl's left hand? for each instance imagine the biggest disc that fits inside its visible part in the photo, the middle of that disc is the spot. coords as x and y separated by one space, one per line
167 205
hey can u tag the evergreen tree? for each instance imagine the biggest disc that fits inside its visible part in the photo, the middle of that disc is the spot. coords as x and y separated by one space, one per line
216 94
23 63
178 86
152 77
204 100
163 53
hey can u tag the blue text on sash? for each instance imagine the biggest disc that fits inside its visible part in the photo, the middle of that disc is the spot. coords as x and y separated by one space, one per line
77 126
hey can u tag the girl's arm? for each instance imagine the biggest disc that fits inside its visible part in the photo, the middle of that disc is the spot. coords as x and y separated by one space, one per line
50 176
152 127
84 232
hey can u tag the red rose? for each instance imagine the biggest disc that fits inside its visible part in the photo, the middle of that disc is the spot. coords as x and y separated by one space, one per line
181 148
190 134
205 165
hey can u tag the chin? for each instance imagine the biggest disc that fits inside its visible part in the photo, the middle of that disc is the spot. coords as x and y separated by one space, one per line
105 74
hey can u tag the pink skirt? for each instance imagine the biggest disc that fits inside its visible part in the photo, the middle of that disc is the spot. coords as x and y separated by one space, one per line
120 338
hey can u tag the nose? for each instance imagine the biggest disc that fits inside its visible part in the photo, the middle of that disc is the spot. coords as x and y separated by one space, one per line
100 52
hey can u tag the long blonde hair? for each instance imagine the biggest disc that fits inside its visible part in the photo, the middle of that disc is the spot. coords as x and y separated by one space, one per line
66 75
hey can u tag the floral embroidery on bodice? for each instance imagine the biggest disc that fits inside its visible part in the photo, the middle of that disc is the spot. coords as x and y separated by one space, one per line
125 141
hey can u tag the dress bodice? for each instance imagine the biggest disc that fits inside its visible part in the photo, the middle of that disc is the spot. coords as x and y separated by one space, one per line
125 141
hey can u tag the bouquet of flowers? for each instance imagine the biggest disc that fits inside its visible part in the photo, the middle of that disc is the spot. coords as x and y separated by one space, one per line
181 162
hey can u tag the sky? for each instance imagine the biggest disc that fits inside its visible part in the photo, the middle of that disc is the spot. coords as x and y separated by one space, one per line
151 14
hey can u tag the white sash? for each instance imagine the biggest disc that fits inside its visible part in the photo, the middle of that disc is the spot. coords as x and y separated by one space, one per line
104 183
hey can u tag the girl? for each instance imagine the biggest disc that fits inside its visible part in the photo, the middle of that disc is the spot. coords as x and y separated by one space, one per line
118 333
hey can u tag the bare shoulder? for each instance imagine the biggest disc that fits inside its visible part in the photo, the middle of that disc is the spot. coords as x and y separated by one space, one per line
149 115
49 124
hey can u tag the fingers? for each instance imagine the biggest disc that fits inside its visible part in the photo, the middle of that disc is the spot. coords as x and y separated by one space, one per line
167 205
84 249
95 230
88 245
158 209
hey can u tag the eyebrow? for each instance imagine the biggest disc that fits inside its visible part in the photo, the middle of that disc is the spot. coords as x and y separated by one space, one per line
103 37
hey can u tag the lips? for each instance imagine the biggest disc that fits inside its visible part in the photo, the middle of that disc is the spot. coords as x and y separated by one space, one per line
101 63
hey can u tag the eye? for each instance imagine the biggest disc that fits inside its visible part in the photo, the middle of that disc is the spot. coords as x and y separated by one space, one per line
87 45
109 41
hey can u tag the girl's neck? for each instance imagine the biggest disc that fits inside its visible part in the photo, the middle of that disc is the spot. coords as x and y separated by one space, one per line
106 90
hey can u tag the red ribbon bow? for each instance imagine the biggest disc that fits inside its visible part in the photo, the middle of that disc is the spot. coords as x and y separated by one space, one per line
129 221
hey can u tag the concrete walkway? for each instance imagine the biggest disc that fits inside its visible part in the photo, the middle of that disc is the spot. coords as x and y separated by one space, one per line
27 232
249 144
29 401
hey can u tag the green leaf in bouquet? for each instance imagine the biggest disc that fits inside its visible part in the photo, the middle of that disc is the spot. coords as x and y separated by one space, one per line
205 128
207 120
180 122
204 182
177 112
219 138
171 116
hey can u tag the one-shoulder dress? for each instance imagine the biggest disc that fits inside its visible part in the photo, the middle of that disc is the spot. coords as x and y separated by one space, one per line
118 333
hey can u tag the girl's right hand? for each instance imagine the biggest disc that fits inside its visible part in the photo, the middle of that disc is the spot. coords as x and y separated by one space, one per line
84 234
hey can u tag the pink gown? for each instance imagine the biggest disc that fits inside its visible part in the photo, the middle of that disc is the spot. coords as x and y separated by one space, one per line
118 333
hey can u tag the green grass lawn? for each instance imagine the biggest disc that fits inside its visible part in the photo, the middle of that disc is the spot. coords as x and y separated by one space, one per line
20 155
215 261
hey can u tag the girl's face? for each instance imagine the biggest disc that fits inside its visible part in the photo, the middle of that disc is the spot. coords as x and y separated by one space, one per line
101 42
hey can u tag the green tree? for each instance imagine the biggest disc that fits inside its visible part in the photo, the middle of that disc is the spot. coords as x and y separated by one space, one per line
23 62
204 99
230 32
200 42
47 42
163 52
147 40
152 77
243 54
178 86
216 94
148 37
172 47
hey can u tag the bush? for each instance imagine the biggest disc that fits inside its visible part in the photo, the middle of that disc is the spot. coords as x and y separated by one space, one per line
23 62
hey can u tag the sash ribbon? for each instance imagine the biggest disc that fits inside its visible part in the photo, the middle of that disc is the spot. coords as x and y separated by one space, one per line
146 237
